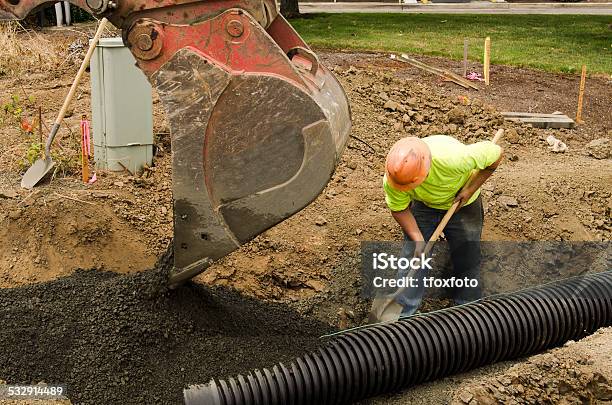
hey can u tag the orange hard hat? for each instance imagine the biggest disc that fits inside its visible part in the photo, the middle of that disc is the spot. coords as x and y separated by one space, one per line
407 163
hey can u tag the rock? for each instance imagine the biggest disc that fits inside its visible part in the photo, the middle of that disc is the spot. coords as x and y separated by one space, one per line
598 148
412 101
456 116
508 201
8 194
600 387
16 214
118 184
556 145
406 118
320 221
398 126
391 105
512 136
316 285
466 397
384 96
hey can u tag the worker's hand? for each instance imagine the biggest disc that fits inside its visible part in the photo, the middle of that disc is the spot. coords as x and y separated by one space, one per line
463 196
419 247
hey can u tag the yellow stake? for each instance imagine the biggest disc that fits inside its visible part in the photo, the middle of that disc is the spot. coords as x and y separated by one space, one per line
581 95
487 59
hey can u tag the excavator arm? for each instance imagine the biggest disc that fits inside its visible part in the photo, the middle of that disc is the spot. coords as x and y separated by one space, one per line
257 123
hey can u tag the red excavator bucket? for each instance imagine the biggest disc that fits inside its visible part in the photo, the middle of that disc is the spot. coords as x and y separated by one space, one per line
257 123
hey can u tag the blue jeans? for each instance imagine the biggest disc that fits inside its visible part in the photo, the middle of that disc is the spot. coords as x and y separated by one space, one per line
463 233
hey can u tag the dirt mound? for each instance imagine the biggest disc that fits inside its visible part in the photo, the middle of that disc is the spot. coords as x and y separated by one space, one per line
126 339
577 373
50 236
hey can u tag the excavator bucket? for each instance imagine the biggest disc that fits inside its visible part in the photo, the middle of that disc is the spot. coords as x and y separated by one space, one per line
257 123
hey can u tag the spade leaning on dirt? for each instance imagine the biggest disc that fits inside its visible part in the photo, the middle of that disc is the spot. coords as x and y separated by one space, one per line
126 339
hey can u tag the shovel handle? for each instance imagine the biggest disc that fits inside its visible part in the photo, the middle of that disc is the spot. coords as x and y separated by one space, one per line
73 88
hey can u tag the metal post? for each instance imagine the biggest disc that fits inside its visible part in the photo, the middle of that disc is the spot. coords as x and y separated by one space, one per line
67 13
58 14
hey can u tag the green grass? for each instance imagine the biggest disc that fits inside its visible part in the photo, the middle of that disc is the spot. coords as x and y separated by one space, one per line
556 43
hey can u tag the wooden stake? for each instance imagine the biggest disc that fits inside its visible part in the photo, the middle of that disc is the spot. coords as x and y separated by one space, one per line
465 55
581 95
487 59
84 156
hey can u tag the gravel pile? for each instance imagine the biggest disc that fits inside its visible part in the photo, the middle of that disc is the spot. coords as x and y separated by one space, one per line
126 339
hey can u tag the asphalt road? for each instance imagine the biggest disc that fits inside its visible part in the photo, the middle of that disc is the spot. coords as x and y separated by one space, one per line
479 7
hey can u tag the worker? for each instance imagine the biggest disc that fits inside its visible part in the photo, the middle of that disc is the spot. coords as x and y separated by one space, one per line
423 178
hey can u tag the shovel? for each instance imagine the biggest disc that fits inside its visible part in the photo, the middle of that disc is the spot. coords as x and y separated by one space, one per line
387 309
42 167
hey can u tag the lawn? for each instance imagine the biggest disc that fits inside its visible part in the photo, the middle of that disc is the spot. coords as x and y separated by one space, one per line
557 43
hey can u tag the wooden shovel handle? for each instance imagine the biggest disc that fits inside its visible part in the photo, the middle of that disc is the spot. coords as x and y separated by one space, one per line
84 65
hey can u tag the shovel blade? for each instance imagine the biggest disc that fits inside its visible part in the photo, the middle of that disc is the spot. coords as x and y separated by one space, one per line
385 309
36 173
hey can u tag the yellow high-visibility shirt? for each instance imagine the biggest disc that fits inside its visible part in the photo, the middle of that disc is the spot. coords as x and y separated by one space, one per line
452 162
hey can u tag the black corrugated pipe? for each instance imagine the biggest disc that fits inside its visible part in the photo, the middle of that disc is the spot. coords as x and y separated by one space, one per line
388 357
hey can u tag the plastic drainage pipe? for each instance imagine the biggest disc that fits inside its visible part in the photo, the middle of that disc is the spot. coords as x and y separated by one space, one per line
388 357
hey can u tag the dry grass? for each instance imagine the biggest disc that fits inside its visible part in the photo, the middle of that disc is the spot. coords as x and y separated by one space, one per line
25 50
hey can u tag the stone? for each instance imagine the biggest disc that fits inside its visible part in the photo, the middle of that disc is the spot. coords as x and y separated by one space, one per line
406 118
8 194
599 148
412 101
512 136
456 116
391 105
320 221
508 201
316 285
466 397
16 214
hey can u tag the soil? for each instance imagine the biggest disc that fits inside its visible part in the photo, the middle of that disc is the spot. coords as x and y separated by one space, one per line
577 373
117 339
310 263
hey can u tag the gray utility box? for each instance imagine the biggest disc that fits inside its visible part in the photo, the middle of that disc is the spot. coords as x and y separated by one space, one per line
122 109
